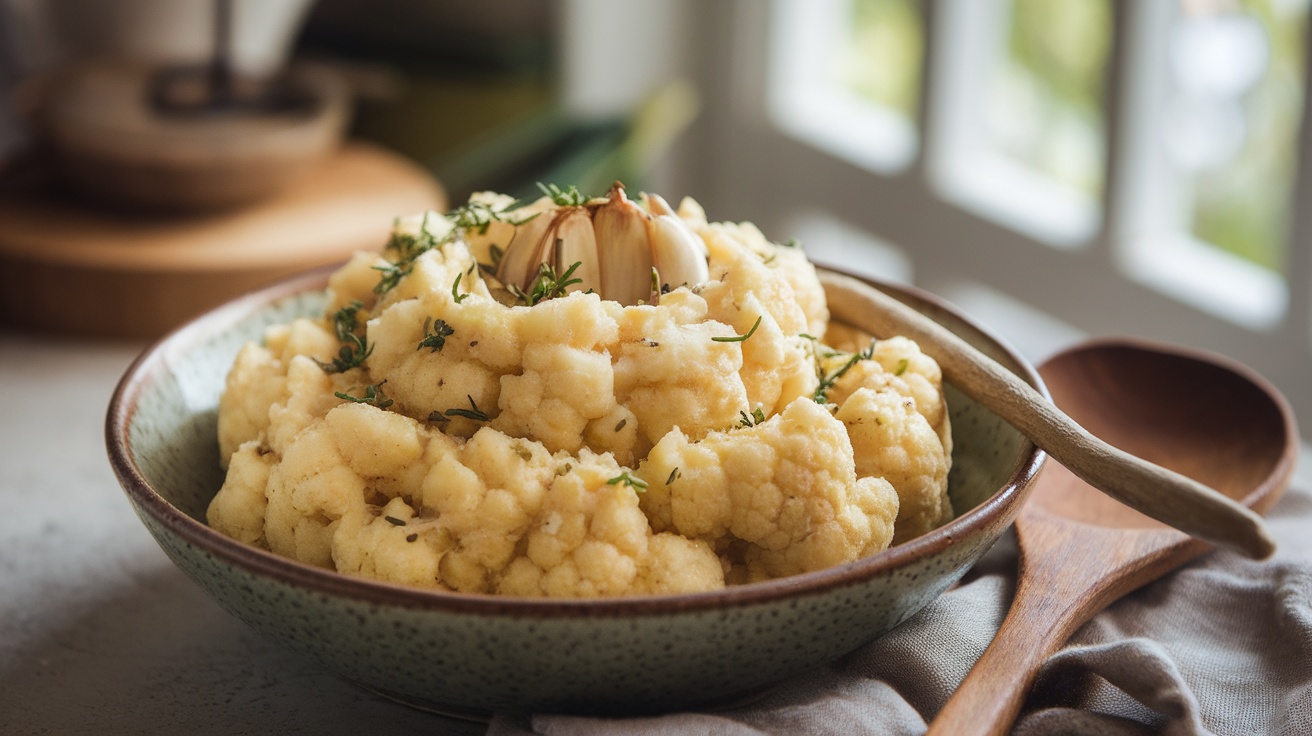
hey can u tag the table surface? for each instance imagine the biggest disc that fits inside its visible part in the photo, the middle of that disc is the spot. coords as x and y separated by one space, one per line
99 632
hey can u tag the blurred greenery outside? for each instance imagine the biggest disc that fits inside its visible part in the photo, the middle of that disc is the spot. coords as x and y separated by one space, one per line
1045 106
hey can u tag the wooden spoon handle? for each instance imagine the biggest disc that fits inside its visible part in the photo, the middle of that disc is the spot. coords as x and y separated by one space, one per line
1163 494
1047 609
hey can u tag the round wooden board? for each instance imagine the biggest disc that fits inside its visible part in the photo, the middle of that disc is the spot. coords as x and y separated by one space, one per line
70 266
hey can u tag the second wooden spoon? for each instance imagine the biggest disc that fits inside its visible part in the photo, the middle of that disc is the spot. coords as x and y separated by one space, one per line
1080 550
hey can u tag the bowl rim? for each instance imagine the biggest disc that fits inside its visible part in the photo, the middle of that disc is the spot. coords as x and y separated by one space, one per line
154 360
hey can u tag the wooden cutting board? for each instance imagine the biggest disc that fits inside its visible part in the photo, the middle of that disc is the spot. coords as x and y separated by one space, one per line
71 266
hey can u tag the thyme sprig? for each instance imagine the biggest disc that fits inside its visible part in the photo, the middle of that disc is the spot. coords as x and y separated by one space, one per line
827 381
473 412
436 331
571 197
740 338
455 290
471 217
373 395
637 484
354 349
547 285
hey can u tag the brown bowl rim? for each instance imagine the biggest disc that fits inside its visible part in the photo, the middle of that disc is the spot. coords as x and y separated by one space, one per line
144 369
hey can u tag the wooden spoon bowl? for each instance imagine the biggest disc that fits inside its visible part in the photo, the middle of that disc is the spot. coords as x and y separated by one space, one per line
1203 416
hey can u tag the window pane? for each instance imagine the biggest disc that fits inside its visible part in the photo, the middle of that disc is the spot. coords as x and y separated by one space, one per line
1237 73
880 59
1045 101
845 77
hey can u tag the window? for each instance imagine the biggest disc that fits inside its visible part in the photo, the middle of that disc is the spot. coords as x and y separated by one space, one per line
1115 166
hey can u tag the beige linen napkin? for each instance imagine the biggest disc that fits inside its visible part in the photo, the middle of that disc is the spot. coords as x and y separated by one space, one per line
1221 646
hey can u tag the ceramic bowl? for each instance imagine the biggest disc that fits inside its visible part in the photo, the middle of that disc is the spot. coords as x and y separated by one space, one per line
478 654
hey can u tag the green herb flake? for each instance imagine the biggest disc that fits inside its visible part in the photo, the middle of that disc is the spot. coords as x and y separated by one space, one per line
751 420
373 395
548 285
637 484
901 367
673 476
740 338
455 290
571 197
473 412
394 521
354 349
436 332
827 382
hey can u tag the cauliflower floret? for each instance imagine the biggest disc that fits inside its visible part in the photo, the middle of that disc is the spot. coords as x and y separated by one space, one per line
786 487
898 365
671 370
452 372
592 540
386 546
485 493
893 441
567 380
255 381
238 508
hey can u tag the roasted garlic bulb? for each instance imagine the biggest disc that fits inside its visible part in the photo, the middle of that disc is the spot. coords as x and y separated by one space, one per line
625 251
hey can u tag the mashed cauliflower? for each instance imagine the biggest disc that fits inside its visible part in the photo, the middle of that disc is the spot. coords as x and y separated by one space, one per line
441 427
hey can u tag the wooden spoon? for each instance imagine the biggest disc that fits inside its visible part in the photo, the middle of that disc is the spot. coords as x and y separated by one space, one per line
1167 496
1079 549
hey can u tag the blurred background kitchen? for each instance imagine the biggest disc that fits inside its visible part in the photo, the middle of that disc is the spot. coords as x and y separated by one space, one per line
1059 168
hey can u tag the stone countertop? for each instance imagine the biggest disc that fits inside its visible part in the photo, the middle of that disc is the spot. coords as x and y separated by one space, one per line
99 632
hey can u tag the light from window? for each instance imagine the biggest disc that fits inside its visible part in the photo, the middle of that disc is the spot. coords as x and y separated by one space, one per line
845 77
1019 107
1232 120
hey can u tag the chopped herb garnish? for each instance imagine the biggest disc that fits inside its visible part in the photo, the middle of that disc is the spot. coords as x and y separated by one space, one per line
571 197
673 476
902 366
740 338
436 332
354 349
827 382
411 537
637 484
455 293
792 243
548 285
437 416
473 412
394 521
621 424
392 275
751 420
373 395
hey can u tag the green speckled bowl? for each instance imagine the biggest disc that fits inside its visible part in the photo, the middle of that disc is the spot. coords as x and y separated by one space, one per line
474 654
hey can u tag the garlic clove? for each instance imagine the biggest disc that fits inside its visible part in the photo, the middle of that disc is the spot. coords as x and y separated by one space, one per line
657 205
677 252
518 266
575 241
624 252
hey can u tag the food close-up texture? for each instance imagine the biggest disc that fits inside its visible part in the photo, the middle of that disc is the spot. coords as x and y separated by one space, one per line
579 397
